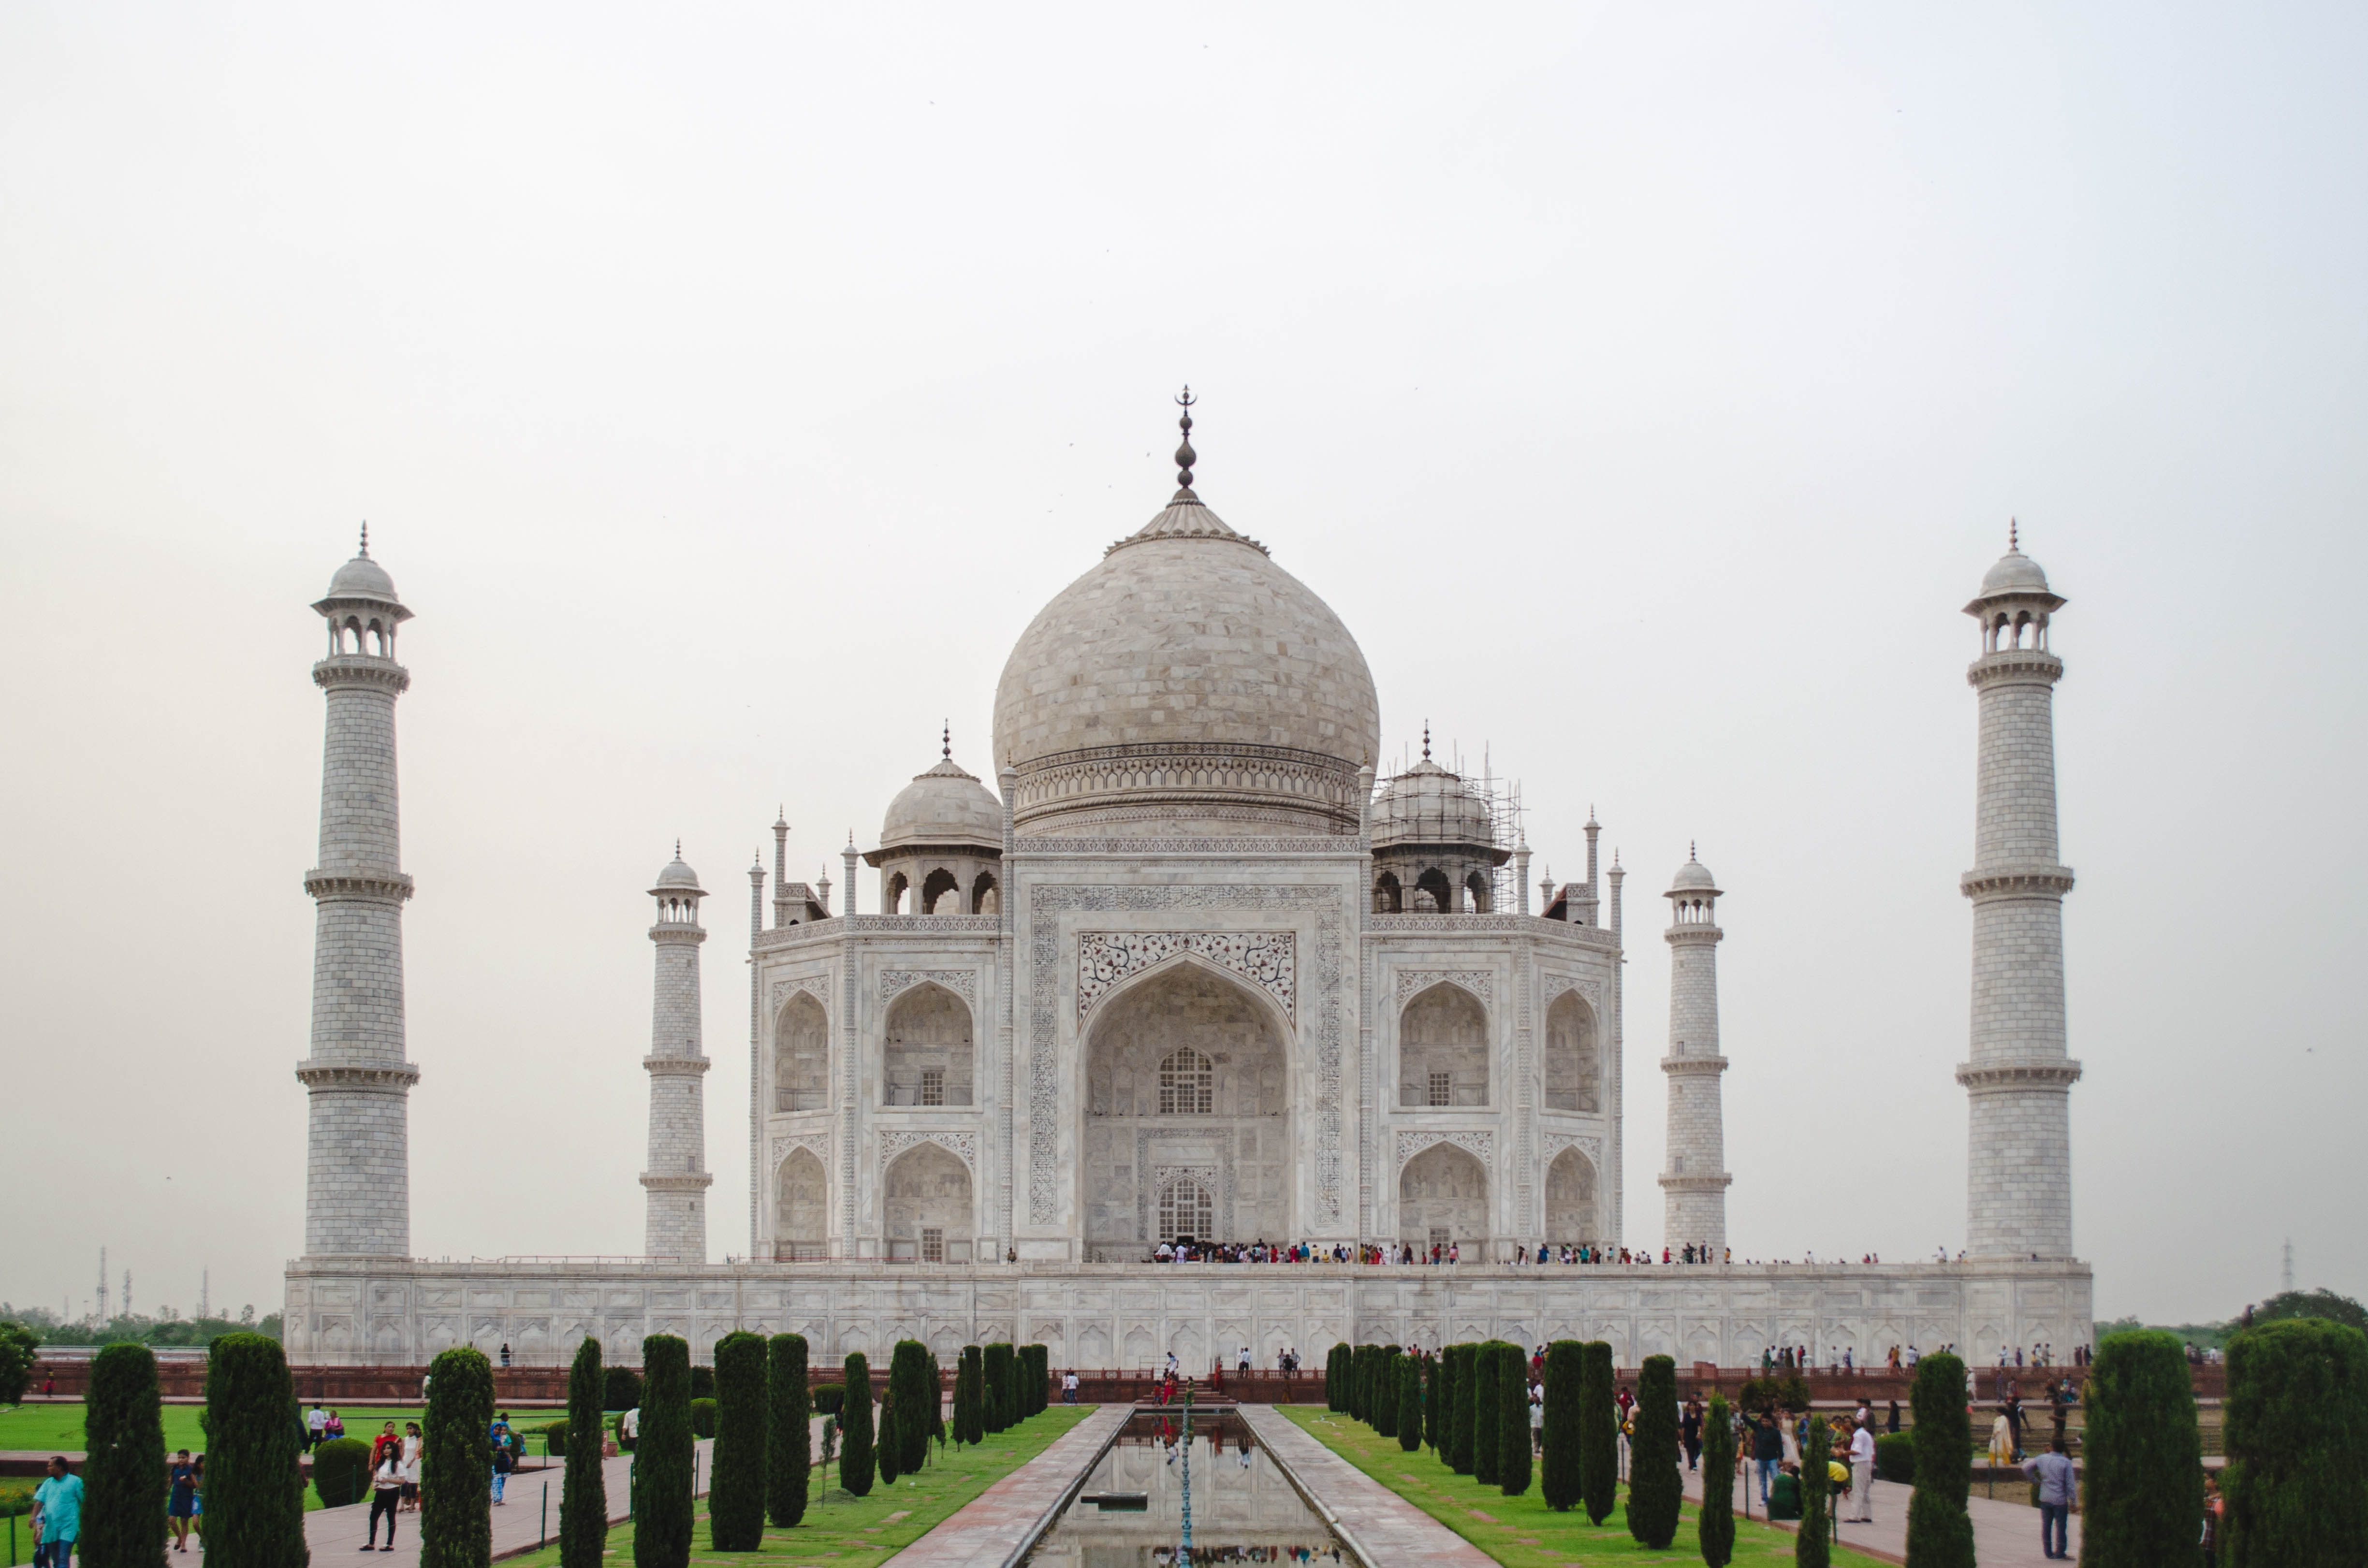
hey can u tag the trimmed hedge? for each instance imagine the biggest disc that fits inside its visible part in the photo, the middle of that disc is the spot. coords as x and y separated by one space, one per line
969 1397
1410 1370
829 1398
1714 1526
2298 1433
702 1383
913 1391
1655 1483
885 1447
855 1457
254 1494
1385 1391
1558 1471
789 1447
1513 1421
1487 1424
1001 1382
621 1389
1599 1432
341 1472
2143 1457
735 1501
584 1495
1434 1398
124 1485
456 1463
1467 1358
663 1505
1895 1456
1940 1532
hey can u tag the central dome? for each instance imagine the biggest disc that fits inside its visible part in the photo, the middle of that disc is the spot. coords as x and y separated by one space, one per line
1187 685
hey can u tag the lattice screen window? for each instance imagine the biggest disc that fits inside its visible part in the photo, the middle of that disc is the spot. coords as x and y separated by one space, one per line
1440 1238
933 1086
1442 1088
1186 1210
933 1244
1188 1085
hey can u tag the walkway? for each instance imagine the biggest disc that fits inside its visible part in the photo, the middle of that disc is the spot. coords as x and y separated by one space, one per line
2006 1533
519 1525
990 1530
1382 1528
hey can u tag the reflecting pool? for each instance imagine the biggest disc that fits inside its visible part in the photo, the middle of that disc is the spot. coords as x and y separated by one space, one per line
1130 1512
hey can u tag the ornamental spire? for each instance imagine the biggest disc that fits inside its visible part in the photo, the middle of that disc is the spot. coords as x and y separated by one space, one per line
1185 456
366 537
947 741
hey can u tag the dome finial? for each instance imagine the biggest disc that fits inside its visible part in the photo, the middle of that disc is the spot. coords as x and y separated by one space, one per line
1691 853
677 848
1185 456
947 740
365 538
1426 740
2013 534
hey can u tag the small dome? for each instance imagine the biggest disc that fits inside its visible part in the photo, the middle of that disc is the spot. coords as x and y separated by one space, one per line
1693 876
944 805
2014 574
677 875
362 579
1427 804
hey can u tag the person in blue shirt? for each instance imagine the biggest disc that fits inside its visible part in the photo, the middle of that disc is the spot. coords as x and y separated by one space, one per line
2058 1485
57 1516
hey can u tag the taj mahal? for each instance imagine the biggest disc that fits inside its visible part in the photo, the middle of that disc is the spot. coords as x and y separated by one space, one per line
1178 964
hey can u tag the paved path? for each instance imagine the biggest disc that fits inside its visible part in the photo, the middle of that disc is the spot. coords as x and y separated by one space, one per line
1382 1528
990 1530
2005 1534
336 1534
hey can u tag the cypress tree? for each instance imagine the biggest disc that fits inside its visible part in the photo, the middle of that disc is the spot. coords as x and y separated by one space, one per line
913 1389
1655 1488
2297 1445
885 1445
1939 1533
584 1496
1434 1403
999 1380
1715 1527
1352 1403
2143 1490
1040 1380
456 1462
1385 1391
124 1476
1487 1426
969 1397
663 1505
736 1505
1410 1370
854 1459
1459 1432
1332 1379
789 1447
621 1389
1513 1421
255 1495
1811 1547
1337 1376
1599 1431
1558 1482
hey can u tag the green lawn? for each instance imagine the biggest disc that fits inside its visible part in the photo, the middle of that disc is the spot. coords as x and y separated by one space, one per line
1521 1532
851 1530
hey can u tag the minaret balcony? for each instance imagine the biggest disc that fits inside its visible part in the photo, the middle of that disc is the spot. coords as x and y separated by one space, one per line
681 1066
392 886
390 1077
1718 1183
1693 1065
2031 880
1988 1077
2015 666
361 669
698 1182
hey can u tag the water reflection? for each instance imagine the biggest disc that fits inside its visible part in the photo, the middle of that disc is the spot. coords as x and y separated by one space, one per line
1130 1512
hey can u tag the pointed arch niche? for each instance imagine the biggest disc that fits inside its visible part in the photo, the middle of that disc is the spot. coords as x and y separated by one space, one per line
929 1057
1187 1087
1443 1048
1443 1197
1573 1068
930 1209
1571 1207
802 1055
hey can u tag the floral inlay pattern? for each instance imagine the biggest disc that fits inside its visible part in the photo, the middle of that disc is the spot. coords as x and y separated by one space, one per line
1267 960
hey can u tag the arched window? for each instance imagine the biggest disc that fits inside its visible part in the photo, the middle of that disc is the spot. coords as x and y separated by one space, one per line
1570 1200
1434 886
1573 1072
941 885
1476 886
1188 1087
800 1208
801 1056
1186 1209
1389 898
1443 1050
892 897
983 898
928 1056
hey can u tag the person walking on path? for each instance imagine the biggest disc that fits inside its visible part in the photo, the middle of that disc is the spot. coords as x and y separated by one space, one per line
1069 1386
410 1461
316 1421
57 1516
182 1501
1689 1429
1861 1459
1767 1453
2056 1486
386 1496
2001 1446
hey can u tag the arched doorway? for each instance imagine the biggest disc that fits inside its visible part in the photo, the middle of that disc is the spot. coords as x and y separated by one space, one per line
1442 1197
1570 1200
801 1209
1186 1092
929 1214
1443 1048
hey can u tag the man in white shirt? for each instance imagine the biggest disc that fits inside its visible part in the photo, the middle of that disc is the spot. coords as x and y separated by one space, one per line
629 1426
1861 1450
315 1420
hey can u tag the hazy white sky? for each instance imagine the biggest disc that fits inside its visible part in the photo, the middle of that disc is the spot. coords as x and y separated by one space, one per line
726 388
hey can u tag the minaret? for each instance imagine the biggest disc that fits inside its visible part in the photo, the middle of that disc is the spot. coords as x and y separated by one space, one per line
677 1177
2019 1164
358 1162
1696 1181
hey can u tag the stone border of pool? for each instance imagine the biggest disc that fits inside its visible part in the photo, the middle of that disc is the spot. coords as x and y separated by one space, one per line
1002 1523
1383 1519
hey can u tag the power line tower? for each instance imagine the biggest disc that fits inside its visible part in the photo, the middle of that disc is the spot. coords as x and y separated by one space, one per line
2285 1274
102 1285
